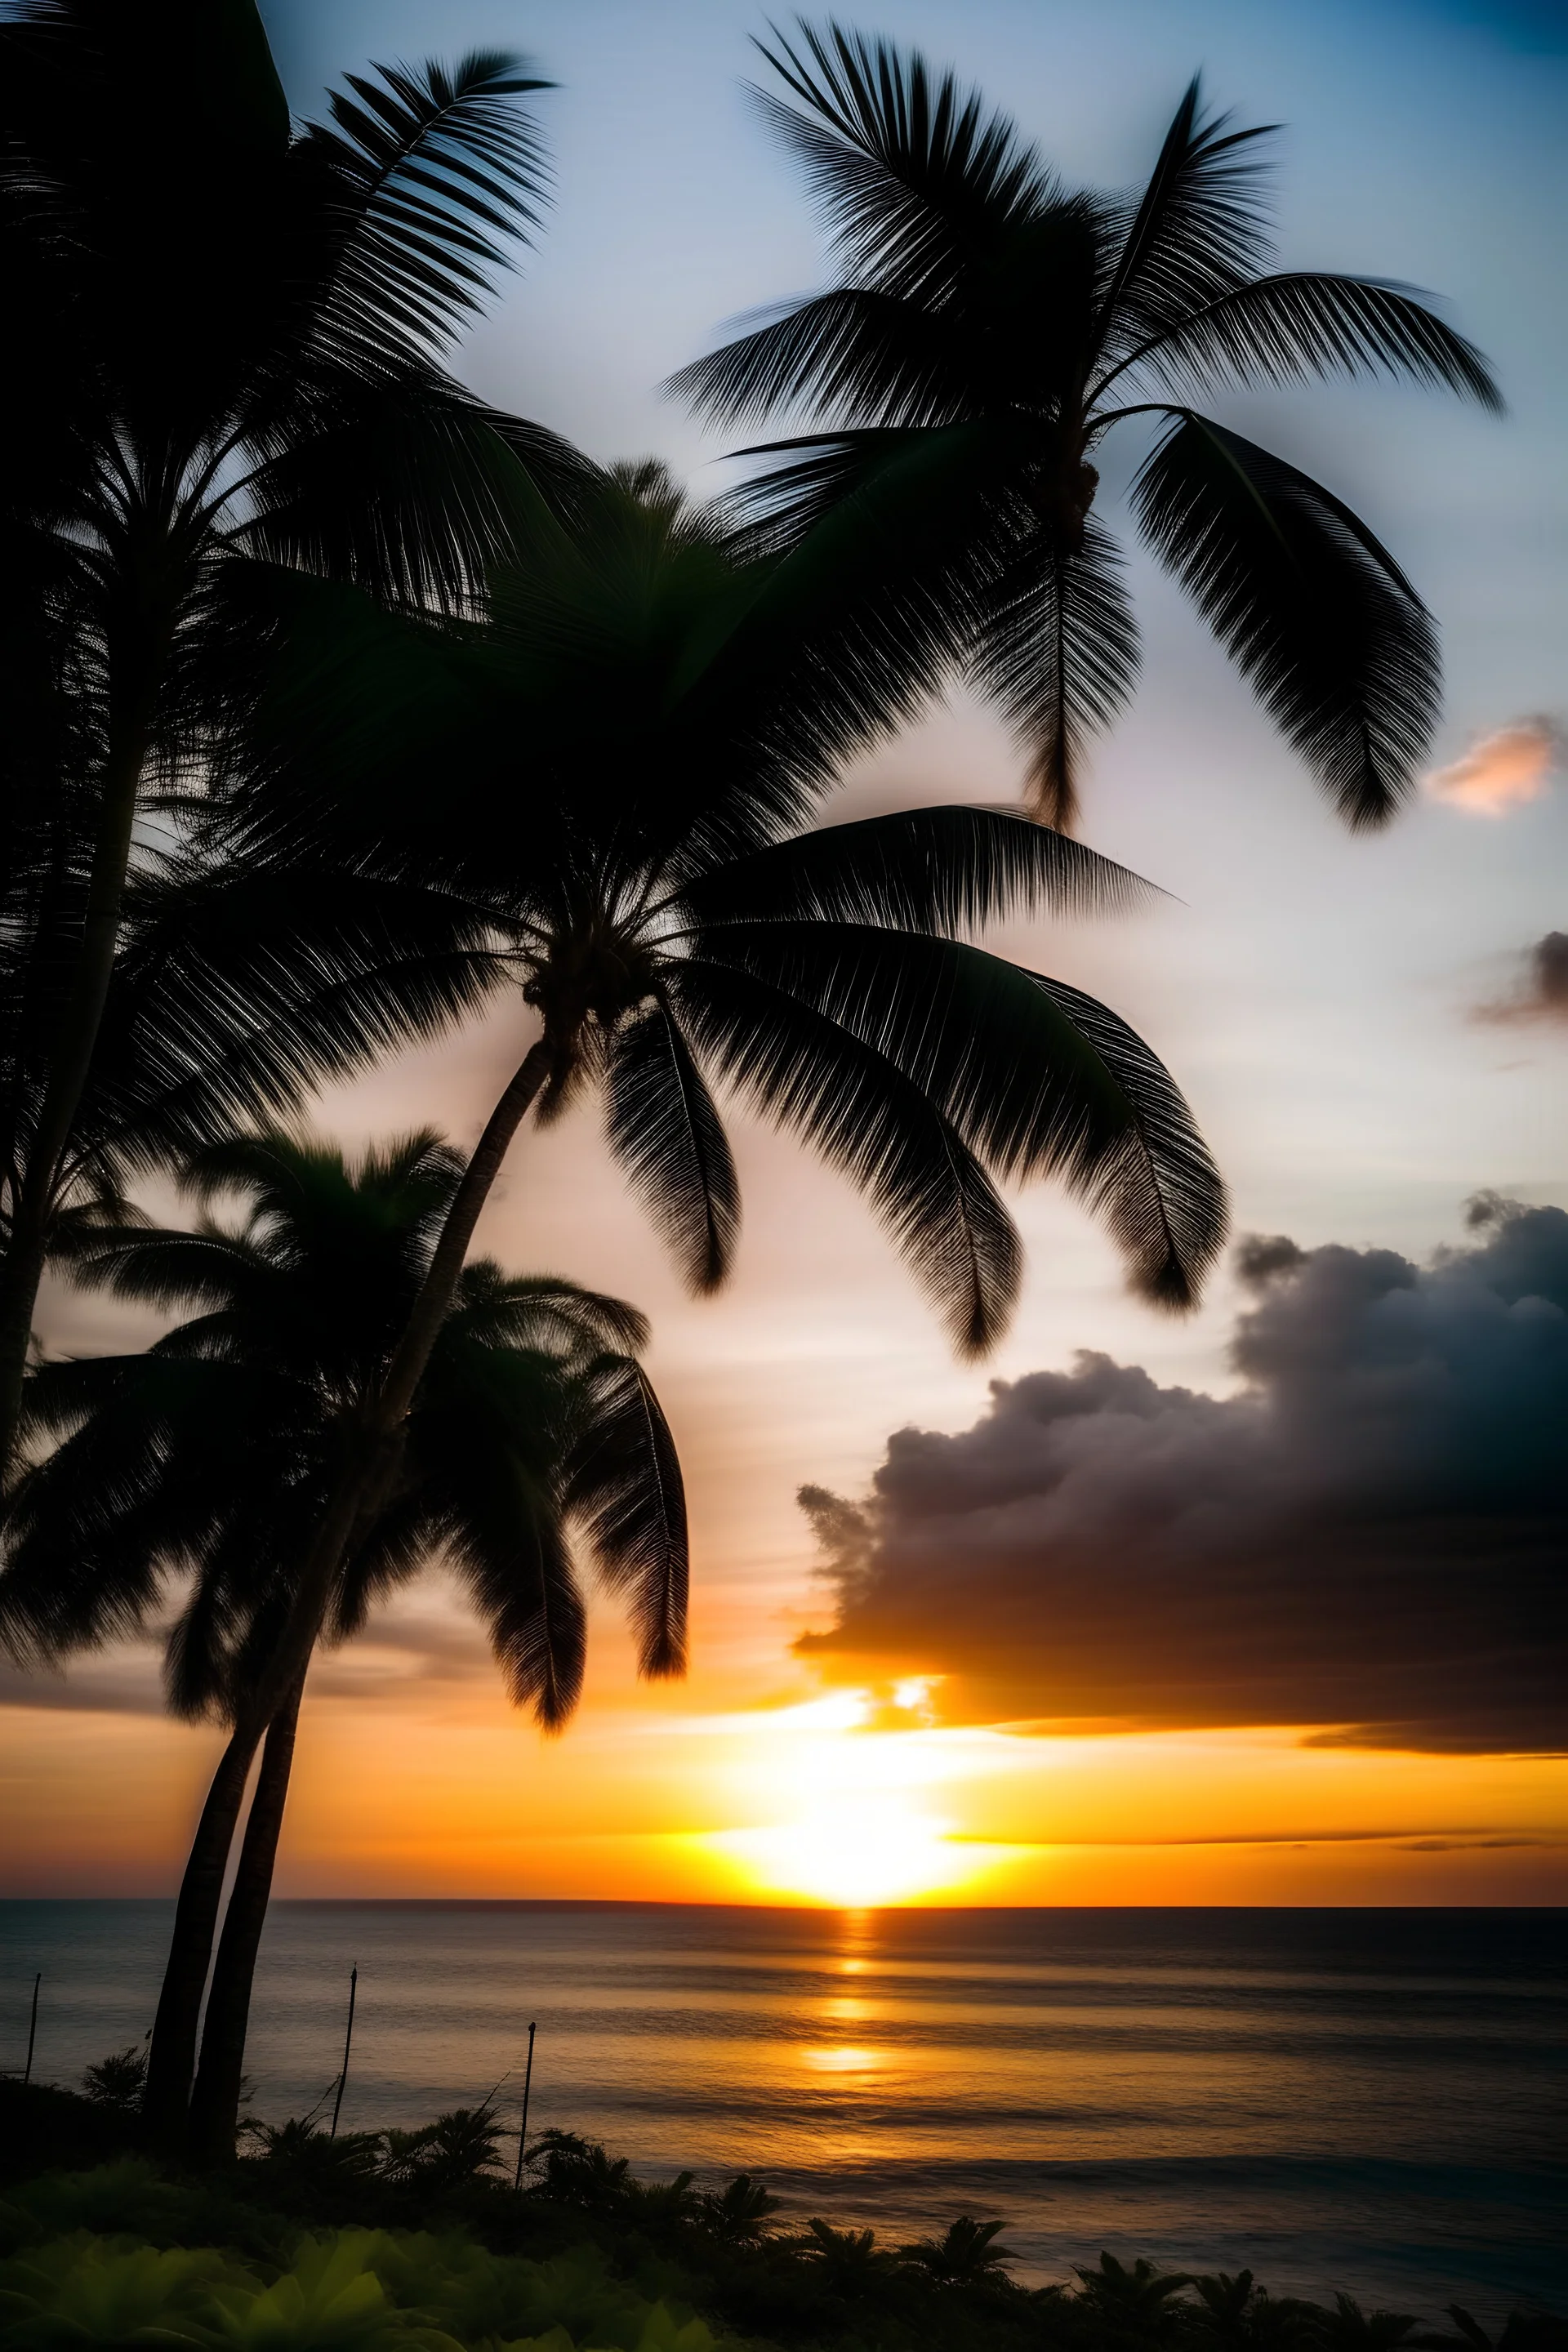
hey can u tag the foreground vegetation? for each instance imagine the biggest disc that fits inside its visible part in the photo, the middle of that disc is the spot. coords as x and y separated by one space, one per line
418 2241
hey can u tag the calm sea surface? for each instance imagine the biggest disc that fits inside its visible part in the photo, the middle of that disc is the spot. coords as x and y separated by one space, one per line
1376 2100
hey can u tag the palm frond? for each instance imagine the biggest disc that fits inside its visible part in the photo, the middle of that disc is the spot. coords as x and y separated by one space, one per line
854 356
1198 230
625 1488
808 1065
242 984
542 1312
946 871
154 1453
1159 1191
435 173
1020 1074
1299 325
666 1133
911 173
169 1268
404 484
1058 649
1312 609
516 1563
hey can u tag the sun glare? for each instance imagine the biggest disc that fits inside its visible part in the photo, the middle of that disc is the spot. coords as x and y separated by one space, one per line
864 1849
862 1778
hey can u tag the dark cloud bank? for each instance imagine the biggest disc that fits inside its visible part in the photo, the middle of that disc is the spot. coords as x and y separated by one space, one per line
1370 1538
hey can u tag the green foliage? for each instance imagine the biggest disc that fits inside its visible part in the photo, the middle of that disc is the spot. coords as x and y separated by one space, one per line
126 2255
84 2290
330 2299
131 2198
347 2291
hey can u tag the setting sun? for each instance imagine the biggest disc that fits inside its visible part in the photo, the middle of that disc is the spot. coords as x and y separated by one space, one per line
865 1849
858 1831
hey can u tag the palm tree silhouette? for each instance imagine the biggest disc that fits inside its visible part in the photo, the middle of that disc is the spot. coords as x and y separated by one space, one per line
1234 2313
608 785
966 2255
1137 2301
207 1461
232 331
991 327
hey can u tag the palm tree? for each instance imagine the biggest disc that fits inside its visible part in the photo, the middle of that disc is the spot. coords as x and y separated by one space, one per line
205 1461
965 2255
614 774
231 333
990 326
1140 2302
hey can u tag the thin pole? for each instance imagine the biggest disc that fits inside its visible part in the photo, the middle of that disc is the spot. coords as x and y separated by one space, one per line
348 2042
33 2027
522 2134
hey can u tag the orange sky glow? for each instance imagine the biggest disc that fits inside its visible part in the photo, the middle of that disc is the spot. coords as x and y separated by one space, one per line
850 1798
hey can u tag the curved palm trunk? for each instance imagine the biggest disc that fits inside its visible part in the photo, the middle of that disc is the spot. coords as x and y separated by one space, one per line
360 1495
69 1064
363 1486
214 2101
173 2054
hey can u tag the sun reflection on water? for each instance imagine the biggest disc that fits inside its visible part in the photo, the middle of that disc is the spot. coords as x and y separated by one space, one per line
843 2058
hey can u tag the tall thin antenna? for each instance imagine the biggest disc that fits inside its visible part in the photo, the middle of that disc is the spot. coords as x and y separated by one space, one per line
33 2028
348 2044
522 2134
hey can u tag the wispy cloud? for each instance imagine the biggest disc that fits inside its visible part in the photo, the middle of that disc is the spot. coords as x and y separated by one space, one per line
1503 771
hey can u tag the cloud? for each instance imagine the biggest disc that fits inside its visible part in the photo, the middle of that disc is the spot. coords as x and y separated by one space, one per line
1370 1538
1501 771
125 1681
1541 993
411 1644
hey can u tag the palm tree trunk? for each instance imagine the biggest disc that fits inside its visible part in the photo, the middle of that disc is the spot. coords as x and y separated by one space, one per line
214 2101
173 2055
362 1488
69 1061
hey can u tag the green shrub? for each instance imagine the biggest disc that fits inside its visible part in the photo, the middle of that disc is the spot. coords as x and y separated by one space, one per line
82 2290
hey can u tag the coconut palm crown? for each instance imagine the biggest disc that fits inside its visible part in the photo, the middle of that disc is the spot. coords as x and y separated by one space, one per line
990 329
617 772
199 1468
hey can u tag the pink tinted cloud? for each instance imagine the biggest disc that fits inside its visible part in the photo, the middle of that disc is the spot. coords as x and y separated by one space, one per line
1502 771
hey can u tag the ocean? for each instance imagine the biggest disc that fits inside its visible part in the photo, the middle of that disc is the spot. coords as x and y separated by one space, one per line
1375 2100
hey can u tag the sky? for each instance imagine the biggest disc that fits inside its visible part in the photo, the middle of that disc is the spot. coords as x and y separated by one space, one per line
1260 1606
